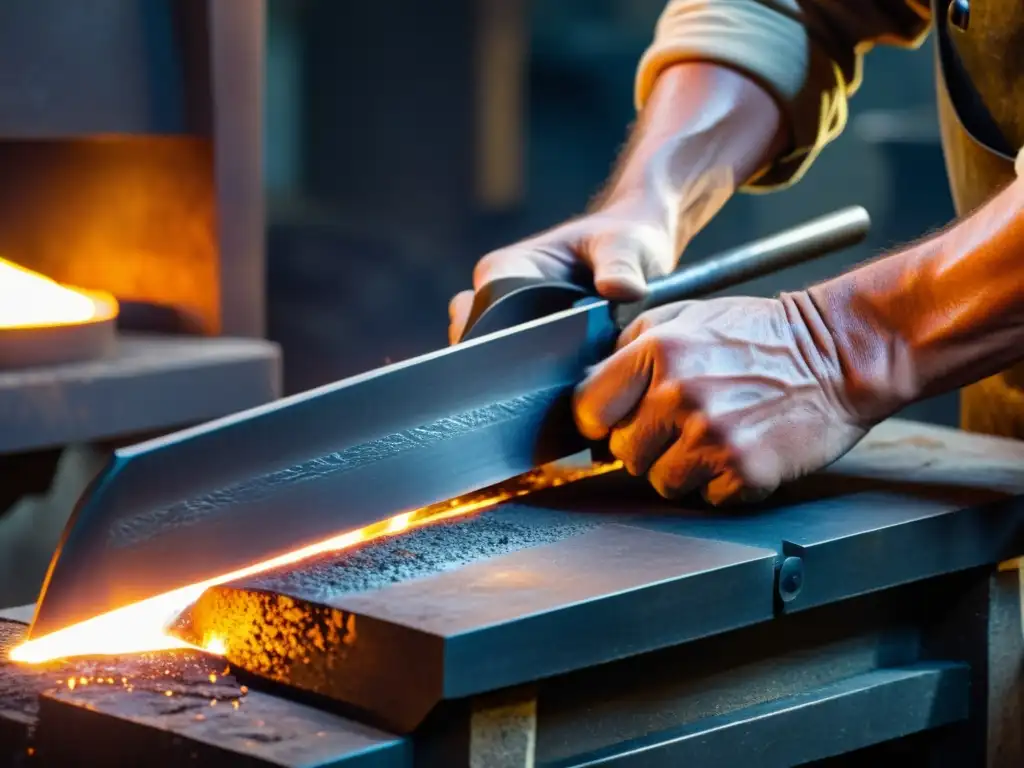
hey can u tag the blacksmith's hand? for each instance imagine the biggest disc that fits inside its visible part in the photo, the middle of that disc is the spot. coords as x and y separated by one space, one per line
704 131
619 248
731 396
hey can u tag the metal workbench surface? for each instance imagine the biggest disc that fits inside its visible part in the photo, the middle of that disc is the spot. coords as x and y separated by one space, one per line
596 624
603 569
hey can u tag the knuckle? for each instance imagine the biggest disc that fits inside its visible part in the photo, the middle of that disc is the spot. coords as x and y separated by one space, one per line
642 325
660 487
675 397
740 494
648 321
755 473
651 319
587 412
459 301
725 489
722 436
587 422
487 264
668 489
622 448
659 346
669 480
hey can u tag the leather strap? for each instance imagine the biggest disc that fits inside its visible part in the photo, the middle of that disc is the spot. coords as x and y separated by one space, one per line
967 103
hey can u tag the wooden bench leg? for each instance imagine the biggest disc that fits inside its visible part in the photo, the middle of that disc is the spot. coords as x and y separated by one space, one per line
503 730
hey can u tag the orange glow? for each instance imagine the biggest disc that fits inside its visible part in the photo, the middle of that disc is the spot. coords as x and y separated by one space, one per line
31 300
142 627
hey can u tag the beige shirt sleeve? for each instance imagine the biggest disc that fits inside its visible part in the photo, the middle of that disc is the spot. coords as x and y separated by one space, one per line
807 53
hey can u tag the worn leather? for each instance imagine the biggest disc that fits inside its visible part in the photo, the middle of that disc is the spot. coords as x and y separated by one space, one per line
982 127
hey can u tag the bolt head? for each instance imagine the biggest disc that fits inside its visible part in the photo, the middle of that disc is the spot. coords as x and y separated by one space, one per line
791 578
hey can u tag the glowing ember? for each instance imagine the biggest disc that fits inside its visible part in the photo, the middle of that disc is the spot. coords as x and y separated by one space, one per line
31 300
141 627
216 646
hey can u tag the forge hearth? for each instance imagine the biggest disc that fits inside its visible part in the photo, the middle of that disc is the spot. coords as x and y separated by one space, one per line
130 136
43 322
131 142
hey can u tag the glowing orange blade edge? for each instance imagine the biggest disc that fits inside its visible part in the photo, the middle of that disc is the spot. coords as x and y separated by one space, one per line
142 627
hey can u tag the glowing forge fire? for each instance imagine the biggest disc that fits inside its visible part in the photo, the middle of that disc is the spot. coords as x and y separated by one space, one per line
31 300
142 627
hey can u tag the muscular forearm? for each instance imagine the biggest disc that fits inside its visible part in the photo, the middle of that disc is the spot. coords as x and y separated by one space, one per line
807 53
939 315
705 131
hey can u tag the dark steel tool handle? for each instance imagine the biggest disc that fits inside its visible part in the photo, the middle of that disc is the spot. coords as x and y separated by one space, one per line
788 248
511 301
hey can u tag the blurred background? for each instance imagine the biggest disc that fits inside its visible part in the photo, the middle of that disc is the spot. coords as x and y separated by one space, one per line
406 139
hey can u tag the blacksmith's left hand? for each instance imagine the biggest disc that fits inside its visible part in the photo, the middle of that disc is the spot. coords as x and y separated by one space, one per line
731 396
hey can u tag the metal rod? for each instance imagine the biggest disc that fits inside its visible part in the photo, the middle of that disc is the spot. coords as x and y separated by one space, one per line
804 242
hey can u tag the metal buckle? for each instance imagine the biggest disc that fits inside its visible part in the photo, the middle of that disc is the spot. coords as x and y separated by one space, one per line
958 14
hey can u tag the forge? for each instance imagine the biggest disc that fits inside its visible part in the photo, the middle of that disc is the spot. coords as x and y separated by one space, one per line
131 244
868 613
43 322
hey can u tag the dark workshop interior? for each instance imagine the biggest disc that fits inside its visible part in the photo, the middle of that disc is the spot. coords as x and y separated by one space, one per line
270 196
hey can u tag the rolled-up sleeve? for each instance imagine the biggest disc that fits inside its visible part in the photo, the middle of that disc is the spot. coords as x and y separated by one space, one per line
806 53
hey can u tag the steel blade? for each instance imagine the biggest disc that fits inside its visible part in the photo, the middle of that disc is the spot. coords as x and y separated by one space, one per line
205 501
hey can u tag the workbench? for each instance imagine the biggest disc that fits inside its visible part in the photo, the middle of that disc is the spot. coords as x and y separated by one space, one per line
859 615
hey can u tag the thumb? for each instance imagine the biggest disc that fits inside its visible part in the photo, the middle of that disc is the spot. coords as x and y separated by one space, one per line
623 263
618 272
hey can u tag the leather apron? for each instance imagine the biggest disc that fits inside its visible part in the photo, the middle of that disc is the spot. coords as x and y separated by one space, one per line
980 83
